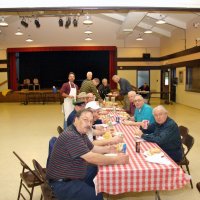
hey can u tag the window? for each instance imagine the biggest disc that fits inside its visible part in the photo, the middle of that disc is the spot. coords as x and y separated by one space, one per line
193 78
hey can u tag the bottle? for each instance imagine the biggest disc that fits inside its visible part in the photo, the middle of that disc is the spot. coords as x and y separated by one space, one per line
54 89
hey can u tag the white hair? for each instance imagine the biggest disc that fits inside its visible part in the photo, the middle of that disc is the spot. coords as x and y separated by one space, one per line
160 108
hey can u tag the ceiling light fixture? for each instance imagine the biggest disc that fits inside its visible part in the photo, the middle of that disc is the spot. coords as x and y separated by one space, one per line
161 20
18 33
3 22
87 20
88 38
37 23
88 32
29 39
68 22
60 22
24 23
139 38
148 31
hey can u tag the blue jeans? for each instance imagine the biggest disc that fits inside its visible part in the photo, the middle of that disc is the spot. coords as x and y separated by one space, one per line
77 189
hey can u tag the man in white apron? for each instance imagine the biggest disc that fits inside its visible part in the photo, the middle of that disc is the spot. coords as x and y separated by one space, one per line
69 92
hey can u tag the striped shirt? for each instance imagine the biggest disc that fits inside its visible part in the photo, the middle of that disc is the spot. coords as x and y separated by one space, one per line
88 87
65 161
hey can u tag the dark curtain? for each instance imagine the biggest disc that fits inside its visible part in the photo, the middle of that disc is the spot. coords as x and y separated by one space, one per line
13 83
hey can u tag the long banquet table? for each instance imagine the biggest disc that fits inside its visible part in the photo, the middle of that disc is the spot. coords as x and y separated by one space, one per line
139 175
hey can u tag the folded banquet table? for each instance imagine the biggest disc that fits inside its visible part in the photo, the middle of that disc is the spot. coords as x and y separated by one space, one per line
139 175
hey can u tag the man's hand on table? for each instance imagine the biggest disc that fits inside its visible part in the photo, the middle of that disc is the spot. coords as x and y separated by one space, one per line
138 132
122 159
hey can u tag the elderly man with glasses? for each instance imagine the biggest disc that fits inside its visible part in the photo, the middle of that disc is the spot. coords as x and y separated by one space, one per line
164 131
143 113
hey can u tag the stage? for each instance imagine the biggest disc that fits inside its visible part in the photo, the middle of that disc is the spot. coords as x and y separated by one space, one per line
31 96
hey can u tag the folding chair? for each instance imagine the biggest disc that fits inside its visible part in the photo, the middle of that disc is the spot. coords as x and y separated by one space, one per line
60 130
29 180
46 189
198 186
187 141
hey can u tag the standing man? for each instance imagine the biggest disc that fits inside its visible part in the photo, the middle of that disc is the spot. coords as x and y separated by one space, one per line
69 172
69 92
104 88
88 77
125 87
89 86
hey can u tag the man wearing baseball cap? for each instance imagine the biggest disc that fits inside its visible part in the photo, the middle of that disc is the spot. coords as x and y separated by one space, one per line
78 105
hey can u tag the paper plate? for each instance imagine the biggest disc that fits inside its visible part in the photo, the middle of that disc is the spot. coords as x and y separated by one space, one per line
147 154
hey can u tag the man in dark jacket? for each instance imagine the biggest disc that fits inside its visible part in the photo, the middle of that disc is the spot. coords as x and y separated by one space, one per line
164 132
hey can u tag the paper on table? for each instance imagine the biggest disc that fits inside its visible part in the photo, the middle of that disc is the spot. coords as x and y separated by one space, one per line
158 159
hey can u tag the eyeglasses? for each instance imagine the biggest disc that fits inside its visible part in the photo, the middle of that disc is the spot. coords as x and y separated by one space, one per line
137 100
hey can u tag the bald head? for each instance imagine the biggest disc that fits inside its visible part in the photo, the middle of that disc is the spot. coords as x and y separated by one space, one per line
89 75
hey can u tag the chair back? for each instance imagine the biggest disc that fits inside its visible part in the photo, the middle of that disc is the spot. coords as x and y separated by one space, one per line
40 171
35 81
188 142
198 186
46 189
183 132
60 130
52 141
26 167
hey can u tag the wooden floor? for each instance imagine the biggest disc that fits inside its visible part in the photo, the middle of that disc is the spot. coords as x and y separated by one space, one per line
27 130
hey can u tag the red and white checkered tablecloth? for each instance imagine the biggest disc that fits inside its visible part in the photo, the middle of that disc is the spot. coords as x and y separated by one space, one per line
139 175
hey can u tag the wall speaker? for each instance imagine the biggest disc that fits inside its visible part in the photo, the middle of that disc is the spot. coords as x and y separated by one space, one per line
146 56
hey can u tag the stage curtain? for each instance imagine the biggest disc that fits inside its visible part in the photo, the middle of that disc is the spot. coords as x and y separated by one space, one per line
12 71
112 68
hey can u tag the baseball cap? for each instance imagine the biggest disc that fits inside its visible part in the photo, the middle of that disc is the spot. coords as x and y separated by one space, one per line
92 105
82 95
79 102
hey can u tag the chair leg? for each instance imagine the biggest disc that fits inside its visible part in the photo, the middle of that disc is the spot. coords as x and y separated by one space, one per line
41 197
20 187
31 194
188 170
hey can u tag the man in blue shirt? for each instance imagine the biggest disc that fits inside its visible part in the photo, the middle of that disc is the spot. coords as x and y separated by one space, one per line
164 132
143 112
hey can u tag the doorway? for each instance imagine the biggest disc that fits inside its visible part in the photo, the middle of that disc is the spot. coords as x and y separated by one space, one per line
143 76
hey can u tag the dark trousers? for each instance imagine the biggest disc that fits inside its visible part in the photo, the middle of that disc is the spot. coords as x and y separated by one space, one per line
77 189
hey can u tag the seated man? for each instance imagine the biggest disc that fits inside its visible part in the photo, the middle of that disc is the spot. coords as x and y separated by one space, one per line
104 88
92 133
131 97
68 172
90 97
78 105
143 111
165 133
